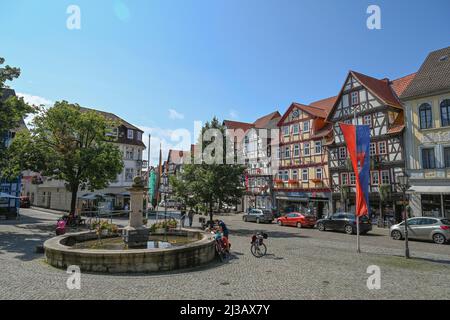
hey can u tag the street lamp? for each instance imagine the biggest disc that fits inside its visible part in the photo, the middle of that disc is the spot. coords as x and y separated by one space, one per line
403 182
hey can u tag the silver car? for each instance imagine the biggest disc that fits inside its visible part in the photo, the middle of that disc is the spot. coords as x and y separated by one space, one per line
425 228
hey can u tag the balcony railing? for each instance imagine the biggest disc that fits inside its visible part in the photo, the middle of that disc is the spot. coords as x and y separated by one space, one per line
430 173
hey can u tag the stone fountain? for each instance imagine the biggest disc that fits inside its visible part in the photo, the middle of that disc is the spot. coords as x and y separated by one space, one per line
130 253
136 234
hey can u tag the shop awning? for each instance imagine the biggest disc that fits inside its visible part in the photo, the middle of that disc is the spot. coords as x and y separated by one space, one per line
7 196
429 189
292 198
90 196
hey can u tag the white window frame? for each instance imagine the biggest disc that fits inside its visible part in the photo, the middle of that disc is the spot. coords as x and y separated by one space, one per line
342 152
319 173
296 150
295 175
287 152
382 143
306 150
130 134
318 144
295 129
373 175
369 118
306 126
383 174
344 181
373 148
352 179
352 96
286 131
305 178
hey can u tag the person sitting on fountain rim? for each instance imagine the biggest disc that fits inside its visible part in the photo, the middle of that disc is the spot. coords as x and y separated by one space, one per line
223 228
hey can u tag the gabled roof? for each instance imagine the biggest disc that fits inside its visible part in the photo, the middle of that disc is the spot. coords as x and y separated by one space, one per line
237 125
379 88
112 116
399 85
398 125
311 110
264 121
259 123
325 104
175 156
432 77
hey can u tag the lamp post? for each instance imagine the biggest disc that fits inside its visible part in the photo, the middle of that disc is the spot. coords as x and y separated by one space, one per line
403 182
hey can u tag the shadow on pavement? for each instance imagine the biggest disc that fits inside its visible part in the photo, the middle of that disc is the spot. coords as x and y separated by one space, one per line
271 234
23 244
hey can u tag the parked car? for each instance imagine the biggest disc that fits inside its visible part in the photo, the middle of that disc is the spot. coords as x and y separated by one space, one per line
343 221
170 204
25 202
297 219
258 215
425 228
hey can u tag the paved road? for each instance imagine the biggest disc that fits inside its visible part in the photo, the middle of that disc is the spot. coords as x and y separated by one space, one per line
301 264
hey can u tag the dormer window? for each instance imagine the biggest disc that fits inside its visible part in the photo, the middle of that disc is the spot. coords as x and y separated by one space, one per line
130 134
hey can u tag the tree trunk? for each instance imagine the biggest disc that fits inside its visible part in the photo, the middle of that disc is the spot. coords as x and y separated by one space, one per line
73 201
381 223
211 212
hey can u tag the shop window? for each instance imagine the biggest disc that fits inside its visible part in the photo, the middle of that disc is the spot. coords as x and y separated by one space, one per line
431 205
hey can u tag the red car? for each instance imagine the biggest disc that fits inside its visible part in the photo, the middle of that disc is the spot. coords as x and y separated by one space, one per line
297 219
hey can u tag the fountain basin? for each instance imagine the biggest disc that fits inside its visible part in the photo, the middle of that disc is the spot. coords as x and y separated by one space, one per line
62 251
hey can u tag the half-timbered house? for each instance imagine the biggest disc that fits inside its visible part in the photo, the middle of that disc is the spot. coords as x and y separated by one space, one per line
376 104
302 181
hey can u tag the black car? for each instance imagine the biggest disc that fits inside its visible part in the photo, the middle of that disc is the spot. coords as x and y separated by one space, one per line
346 222
25 202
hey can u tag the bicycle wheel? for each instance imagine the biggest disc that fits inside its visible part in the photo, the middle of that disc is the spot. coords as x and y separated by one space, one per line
258 250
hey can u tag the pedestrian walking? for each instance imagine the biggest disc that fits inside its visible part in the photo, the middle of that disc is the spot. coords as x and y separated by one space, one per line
191 217
183 217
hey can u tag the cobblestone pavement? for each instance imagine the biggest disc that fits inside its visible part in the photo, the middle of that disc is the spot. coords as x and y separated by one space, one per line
301 264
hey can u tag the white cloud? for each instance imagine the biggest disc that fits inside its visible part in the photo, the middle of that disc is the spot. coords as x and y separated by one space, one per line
35 101
179 139
175 115
233 114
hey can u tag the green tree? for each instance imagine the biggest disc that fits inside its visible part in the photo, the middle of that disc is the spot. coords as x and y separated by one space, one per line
12 109
216 182
70 144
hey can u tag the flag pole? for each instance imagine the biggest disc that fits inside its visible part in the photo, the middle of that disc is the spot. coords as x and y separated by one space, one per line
149 201
358 247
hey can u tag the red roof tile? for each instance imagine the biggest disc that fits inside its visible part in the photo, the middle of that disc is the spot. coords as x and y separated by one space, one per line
380 88
399 85
237 125
263 121
325 104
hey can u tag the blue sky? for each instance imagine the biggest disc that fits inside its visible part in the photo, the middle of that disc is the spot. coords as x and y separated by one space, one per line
163 64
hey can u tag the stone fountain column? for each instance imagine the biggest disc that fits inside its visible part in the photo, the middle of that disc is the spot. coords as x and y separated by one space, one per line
136 234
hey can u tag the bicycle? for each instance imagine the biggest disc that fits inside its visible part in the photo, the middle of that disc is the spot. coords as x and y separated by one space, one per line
258 248
222 252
